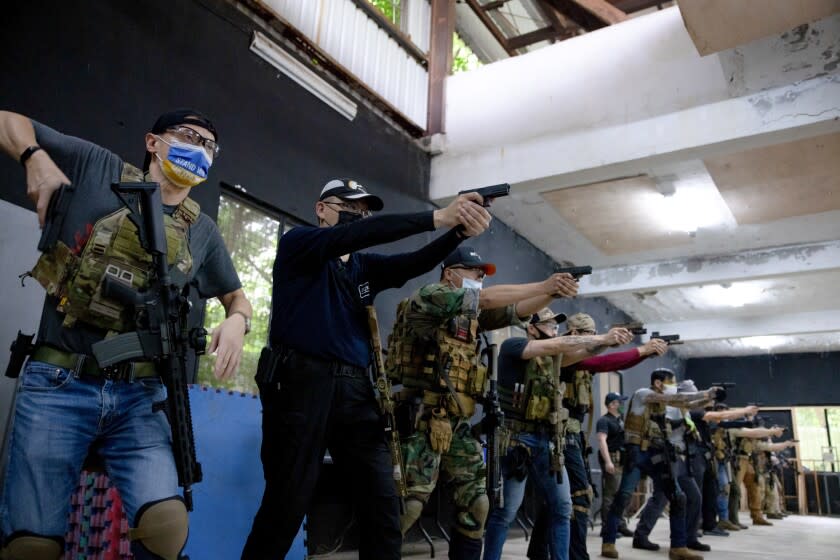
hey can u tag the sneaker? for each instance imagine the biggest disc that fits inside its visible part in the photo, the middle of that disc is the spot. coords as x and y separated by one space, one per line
644 544
608 550
742 526
697 545
716 532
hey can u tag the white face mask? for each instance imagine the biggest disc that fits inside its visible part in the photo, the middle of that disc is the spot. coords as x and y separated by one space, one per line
669 389
471 284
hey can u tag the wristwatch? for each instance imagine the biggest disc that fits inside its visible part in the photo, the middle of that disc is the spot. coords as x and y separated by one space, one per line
247 320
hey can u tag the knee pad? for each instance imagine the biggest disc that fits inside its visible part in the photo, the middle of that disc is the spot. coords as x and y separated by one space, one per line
160 531
470 522
413 510
29 546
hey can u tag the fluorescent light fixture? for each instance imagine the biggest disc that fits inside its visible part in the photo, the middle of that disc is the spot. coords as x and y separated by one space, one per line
730 295
275 55
687 200
764 342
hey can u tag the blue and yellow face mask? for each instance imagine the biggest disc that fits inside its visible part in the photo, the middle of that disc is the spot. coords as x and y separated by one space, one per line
186 165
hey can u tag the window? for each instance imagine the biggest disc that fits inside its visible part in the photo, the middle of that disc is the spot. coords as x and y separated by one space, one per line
251 234
390 9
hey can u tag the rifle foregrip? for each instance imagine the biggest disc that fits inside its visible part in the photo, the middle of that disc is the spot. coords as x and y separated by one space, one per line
126 346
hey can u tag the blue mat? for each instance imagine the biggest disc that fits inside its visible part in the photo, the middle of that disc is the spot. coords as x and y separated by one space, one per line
227 441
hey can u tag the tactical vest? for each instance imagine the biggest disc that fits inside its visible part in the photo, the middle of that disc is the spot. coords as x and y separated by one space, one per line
642 429
719 443
423 362
745 446
535 402
113 250
578 396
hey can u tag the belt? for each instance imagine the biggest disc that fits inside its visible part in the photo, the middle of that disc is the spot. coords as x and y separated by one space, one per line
86 366
300 360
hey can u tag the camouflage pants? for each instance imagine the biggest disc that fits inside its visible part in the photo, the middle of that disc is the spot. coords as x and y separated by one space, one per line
462 465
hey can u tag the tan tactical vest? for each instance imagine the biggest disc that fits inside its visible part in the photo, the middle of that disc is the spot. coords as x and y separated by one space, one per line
421 362
114 250
719 443
641 429
745 446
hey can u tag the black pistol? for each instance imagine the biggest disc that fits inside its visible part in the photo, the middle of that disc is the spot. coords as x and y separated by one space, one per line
56 212
636 327
490 193
671 339
575 271
21 348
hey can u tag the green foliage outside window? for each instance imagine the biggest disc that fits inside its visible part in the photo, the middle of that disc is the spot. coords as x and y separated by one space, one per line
251 238
463 57
391 9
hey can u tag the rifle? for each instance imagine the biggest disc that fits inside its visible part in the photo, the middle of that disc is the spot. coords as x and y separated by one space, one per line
575 271
490 193
559 420
671 339
162 334
386 403
636 327
669 475
60 199
495 419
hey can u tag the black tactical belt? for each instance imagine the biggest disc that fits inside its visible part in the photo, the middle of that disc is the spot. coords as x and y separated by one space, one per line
86 366
300 360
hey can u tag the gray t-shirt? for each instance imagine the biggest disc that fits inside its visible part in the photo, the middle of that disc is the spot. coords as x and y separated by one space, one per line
92 169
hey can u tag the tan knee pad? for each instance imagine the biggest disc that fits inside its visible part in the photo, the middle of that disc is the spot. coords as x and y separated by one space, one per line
32 547
413 510
471 521
162 527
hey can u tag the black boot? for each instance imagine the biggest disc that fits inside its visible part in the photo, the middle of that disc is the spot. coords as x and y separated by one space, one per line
644 544
462 547
697 545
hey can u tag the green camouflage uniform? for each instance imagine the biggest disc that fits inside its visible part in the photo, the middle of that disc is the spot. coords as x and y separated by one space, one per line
419 350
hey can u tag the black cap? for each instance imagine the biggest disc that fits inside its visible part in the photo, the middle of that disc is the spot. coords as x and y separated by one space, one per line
348 189
176 117
468 257
614 397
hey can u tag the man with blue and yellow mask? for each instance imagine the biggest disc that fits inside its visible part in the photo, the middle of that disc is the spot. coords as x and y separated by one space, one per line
67 404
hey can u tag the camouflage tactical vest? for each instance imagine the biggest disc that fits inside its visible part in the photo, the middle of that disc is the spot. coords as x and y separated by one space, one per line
535 401
113 250
578 396
419 362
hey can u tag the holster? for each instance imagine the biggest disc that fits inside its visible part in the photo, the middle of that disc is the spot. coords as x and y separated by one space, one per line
21 348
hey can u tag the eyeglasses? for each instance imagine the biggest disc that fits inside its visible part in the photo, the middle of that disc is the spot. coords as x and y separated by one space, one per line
190 136
481 273
354 207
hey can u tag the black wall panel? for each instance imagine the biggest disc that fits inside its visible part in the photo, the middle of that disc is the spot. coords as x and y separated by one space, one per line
774 380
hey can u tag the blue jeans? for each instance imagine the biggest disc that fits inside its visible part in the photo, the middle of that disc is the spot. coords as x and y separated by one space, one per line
556 496
723 496
656 505
57 418
652 463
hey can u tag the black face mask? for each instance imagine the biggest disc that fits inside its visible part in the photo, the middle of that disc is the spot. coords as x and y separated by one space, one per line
345 217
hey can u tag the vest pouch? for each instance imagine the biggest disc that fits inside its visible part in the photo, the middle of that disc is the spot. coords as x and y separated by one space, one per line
53 269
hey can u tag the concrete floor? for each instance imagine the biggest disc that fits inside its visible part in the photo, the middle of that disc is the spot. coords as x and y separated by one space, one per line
794 538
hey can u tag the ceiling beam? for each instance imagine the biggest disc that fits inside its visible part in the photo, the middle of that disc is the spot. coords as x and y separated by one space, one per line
749 265
565 27
590 14
488 23
719 328
532 37
440 63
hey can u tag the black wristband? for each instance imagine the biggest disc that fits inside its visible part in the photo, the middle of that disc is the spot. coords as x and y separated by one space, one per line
27 153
